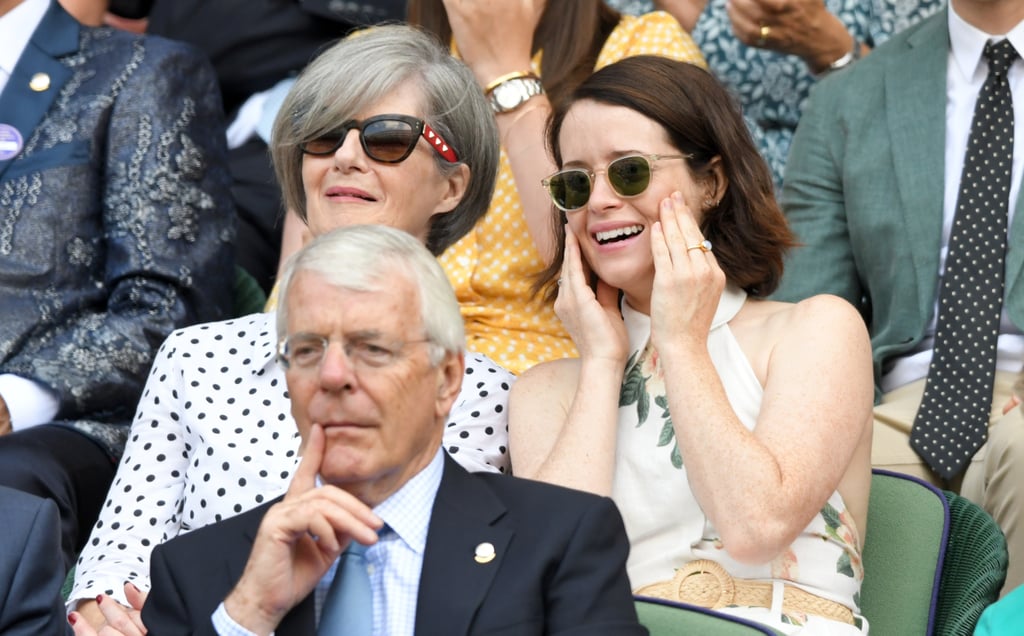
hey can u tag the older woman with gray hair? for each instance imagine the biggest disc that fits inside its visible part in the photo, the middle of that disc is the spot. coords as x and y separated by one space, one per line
383 128
388 70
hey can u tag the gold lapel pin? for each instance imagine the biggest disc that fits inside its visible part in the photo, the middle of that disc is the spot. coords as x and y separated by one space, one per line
484 553
39 82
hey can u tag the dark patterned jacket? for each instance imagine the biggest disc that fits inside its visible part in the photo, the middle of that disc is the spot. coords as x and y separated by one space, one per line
116 220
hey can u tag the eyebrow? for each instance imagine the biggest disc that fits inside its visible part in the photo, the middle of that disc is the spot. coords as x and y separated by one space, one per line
361 335
616 154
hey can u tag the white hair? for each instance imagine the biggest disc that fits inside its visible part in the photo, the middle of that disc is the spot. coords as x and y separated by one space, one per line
367 258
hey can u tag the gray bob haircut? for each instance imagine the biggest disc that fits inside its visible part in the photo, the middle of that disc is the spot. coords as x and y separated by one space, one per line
367 258
362 69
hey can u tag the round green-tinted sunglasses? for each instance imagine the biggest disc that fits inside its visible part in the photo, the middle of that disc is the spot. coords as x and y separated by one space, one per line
629 176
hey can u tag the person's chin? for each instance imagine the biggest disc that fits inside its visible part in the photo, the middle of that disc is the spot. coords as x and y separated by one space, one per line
621 275
346 449
342 472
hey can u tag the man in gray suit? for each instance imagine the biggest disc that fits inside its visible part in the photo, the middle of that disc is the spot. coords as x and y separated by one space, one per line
116 227
872 185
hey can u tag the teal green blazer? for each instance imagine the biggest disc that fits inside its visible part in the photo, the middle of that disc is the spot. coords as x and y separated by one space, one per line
864 187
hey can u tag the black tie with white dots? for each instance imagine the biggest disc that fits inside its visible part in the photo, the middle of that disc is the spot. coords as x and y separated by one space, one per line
952 422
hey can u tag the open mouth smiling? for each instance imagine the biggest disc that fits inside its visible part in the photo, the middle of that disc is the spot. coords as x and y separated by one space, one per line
618 234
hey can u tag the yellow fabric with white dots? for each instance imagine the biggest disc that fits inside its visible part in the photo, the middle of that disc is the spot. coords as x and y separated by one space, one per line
493 267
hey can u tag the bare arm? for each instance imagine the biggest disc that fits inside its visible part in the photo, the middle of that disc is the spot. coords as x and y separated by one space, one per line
522 139
759 487
474 26
687 12
563 414
762 487
560 435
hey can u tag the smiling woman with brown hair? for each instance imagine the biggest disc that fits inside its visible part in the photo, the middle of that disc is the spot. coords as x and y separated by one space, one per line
732 432
545 50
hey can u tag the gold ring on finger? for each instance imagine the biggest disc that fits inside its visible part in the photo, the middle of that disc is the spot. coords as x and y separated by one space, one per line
704 246
766 32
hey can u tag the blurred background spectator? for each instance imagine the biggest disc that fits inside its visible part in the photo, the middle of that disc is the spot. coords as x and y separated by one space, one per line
770 53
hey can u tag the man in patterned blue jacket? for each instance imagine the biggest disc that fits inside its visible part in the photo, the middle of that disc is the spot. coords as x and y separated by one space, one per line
116 227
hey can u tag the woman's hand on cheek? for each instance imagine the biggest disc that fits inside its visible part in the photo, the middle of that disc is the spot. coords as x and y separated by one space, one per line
593 320
688 282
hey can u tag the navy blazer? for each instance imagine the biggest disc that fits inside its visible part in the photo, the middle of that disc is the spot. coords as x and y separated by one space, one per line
559 569
116 219
31 567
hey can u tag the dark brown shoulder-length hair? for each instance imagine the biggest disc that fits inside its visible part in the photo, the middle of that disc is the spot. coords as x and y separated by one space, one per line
571 34
747 228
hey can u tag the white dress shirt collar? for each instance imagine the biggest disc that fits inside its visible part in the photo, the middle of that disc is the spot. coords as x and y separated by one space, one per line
967 42
16 28
408 510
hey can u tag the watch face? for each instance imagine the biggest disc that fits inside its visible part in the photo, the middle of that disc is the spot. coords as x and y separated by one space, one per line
508 95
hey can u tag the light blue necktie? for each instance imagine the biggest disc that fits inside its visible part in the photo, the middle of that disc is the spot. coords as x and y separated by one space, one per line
348 606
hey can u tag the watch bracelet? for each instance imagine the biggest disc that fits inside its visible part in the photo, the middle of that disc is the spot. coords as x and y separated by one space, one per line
501 79
847 59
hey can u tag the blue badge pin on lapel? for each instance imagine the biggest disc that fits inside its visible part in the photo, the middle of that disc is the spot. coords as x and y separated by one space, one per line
10 142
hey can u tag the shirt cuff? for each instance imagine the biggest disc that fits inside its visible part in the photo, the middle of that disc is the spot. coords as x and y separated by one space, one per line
224 625
28 402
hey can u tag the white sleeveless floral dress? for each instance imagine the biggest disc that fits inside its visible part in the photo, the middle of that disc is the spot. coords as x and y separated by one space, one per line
667 527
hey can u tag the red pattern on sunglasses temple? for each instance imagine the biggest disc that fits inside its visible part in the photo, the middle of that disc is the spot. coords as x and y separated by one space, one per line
439 144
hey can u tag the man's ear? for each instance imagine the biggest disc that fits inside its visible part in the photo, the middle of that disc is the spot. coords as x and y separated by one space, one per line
449 382
458 181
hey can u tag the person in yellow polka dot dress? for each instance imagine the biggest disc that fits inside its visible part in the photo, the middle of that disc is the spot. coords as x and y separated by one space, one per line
526 55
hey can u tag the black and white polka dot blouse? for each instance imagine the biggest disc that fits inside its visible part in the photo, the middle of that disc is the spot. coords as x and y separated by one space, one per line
213 436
